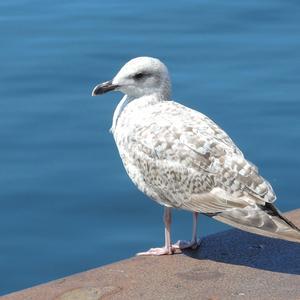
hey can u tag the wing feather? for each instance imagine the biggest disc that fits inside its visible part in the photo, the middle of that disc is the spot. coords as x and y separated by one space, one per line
189 160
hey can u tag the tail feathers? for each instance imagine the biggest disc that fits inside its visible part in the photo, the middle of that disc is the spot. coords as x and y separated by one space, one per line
261 219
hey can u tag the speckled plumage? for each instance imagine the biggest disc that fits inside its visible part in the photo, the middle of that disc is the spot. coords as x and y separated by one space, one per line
182 159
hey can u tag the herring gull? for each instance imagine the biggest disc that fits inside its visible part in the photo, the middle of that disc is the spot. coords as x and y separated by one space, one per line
181 159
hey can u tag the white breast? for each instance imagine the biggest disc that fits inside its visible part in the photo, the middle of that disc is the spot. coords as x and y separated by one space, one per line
120 107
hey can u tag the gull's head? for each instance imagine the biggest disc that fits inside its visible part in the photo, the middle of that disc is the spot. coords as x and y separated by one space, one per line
141 76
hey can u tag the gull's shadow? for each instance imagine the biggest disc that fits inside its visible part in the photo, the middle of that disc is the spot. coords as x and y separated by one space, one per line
241 248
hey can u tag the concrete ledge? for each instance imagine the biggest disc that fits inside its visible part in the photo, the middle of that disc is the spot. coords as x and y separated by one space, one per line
229 265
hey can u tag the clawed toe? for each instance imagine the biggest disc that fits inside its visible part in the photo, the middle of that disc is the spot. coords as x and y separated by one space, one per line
157 251
194 244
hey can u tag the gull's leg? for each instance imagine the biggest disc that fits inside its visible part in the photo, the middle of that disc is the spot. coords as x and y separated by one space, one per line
167 249
194 242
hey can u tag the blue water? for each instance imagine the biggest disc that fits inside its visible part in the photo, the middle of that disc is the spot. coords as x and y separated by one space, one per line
66 204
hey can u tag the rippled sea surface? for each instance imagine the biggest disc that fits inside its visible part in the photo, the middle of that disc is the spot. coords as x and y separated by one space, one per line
66 204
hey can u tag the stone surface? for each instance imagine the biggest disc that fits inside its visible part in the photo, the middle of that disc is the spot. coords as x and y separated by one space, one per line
88 293
229 265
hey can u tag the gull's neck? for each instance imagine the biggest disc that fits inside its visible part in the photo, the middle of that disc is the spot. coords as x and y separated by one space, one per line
141 102
120 107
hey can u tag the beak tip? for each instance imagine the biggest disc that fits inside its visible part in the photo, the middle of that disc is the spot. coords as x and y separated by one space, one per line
94 92
103 88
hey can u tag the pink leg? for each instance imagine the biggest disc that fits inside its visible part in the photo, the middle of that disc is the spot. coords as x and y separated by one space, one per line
194 242
167 249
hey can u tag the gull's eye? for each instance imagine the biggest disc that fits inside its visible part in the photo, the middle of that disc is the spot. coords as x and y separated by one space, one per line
138 76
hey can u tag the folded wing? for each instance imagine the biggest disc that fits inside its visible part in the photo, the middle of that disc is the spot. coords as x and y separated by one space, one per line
189 162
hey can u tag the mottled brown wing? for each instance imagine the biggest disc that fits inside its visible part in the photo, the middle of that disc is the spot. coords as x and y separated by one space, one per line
191 161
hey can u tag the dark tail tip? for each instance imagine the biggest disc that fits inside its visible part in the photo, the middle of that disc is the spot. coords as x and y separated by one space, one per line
273 211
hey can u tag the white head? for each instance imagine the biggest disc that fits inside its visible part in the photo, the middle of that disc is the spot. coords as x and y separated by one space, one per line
139 77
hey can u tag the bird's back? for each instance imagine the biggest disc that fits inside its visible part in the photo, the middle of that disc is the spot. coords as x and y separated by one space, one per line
181 158
180 154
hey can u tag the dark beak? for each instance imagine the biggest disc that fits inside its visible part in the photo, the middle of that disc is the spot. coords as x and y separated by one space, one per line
103 88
